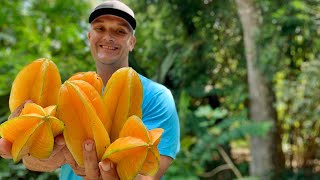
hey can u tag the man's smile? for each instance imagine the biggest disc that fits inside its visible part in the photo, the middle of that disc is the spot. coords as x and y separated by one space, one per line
108 47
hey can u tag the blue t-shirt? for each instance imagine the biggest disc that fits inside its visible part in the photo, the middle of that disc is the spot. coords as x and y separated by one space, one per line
158 111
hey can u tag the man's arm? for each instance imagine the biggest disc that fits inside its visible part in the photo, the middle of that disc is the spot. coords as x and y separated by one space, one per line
165 162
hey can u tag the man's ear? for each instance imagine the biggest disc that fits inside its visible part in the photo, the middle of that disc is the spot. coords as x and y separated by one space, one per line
132 42
89 35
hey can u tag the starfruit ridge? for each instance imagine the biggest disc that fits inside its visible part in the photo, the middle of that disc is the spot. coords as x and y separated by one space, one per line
123 96
79 107
44 76
135 151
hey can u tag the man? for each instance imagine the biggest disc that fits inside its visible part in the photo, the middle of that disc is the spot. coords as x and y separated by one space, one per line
111 38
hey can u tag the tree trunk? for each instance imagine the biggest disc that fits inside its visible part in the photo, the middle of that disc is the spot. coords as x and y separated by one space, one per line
265 151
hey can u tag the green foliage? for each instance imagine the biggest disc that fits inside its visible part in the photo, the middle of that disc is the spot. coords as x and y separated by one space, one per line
38 29
300 174
288 54
34 29
196 49
213 128
299 112
209 61
11 171
286 39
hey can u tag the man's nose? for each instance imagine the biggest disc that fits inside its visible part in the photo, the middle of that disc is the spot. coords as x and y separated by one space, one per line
109 36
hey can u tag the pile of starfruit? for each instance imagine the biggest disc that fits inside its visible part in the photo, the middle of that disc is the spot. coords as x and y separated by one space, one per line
82 108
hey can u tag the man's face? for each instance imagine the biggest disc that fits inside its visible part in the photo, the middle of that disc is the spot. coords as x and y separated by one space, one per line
111 39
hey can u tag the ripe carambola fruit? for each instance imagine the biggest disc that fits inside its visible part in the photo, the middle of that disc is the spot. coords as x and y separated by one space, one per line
82 110
32 132
90 77
135 151
39 81
123 97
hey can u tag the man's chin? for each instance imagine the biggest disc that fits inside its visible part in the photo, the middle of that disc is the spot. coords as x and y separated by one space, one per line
105 61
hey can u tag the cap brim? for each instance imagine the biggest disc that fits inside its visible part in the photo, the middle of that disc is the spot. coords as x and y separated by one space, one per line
110 11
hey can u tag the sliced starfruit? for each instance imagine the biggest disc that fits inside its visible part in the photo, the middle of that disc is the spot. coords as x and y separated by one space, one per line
123 97
82 110
90 77
38 81
135 151
32 132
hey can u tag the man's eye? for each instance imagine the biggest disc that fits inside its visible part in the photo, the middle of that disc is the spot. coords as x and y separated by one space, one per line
99 29
121 31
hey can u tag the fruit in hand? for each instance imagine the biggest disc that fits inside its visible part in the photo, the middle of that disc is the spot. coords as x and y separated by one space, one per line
80 111
32 132
135 151
38 81
123 97
84 113
90 77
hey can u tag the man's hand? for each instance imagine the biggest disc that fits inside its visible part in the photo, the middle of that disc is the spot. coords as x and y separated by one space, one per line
55 161
106 170
5 145
5 148
17 111
93 169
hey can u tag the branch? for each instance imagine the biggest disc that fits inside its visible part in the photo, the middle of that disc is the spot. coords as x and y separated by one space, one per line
215 171
229 162
229 165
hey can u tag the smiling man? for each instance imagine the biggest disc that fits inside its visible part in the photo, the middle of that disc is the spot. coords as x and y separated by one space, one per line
111 38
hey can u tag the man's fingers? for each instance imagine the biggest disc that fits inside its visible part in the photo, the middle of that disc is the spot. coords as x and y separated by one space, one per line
59 144
90 160
18 110
5 148
56 159
70 160
44 165
108 170
59 140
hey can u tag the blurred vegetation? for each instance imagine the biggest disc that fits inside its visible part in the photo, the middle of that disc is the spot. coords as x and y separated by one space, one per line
195 48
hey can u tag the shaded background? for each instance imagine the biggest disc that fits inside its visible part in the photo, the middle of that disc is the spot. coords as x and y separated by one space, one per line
196 48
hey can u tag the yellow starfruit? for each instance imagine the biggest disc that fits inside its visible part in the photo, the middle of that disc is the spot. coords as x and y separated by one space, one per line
135 151
123 97
82 110
38 81
32 132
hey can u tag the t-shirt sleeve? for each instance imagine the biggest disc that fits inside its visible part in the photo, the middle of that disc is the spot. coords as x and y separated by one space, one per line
66 173
160 112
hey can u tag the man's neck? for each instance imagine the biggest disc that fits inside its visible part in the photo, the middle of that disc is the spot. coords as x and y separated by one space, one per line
106 71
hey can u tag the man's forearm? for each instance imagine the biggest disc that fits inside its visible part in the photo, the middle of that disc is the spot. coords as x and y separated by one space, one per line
165 162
